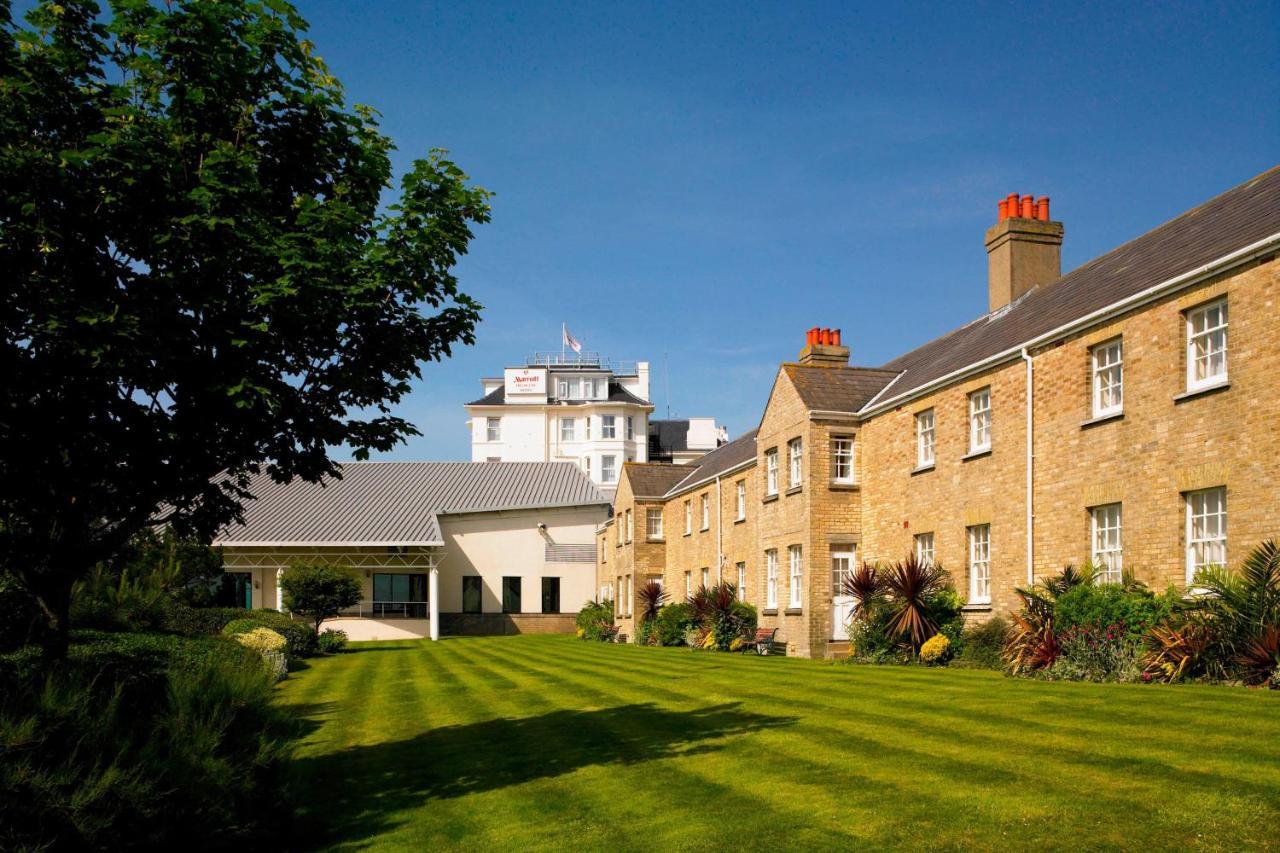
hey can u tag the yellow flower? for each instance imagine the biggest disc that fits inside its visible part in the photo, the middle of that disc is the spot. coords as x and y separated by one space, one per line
934 649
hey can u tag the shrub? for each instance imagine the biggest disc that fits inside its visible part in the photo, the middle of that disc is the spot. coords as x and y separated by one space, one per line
673 622
900 607
1104 605
319 591
331 641
595 621
198 621
300 639
936 650
140 741
983 643
1090 653
270 645
1241 610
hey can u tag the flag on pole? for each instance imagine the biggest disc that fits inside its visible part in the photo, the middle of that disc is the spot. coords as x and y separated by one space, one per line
569 340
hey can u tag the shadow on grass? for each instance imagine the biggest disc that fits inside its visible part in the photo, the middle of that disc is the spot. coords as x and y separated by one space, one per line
360 791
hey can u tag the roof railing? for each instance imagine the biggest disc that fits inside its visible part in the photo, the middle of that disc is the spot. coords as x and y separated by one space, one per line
585 360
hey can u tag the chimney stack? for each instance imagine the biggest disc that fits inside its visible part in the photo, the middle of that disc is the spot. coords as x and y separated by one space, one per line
1024 248
822 348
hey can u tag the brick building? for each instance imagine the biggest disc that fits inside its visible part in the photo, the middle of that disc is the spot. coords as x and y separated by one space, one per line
1099 415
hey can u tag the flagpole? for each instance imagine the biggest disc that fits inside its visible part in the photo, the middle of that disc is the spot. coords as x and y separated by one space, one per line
562 337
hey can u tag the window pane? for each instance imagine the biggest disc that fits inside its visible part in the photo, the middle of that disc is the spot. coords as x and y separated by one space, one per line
511 595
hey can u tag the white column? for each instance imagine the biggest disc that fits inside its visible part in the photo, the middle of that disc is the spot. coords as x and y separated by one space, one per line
433 599
279 589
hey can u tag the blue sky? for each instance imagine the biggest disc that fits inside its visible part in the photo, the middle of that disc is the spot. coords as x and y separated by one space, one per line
706 181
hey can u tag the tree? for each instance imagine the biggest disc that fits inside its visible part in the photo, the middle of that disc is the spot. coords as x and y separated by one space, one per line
199 279
319 590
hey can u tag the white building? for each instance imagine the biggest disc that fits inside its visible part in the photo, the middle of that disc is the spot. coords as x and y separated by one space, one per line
578 407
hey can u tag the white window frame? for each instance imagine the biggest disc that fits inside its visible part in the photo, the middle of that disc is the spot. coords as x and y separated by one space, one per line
493 429
562 389
1199 541
568 429
631 526
631 428
1107 361
1214 340
795 462
979 536
742 581
705 576
631 593
926 435
842 470
741 492
926 551
653 531
608 426
608 472
771 585
688 583
980 420
688 517
771 471
1106 550
795 556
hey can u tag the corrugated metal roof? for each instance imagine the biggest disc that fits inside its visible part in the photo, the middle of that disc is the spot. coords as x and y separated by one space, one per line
1237 218
397 503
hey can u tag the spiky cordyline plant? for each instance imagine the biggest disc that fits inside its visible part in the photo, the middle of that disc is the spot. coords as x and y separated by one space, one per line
652 597
1243 608
1031 642
908 586
866 586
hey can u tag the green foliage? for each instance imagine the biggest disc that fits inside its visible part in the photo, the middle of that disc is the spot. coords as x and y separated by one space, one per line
1097 653
199 621
652 597
203 277
331 641
1240 609
319 590
140 742
983 643
187 569
119 602
300 638
673 623
1103 605
595 621
900 607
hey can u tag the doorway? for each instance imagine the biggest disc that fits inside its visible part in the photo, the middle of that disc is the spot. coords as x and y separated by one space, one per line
842 563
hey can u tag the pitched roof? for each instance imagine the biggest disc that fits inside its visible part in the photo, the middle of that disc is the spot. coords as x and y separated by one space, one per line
1236 219
617 394
668 435
837 389
723 458
653 479
398 503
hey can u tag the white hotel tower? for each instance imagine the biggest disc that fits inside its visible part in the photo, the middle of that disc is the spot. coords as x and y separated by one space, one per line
583 408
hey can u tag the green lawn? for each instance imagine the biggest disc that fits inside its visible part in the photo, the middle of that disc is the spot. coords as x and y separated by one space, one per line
550 742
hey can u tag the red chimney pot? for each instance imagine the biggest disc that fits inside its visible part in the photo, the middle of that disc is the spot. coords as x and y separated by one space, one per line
835 337
1003 207
1042 208
1014 208
1028 207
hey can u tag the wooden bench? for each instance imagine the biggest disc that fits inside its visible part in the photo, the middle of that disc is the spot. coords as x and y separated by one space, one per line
763 641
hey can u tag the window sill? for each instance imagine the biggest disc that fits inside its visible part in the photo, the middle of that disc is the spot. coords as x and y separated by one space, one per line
686 535
769 612
769 498
977 607
923 469
976 454
740 520
843 487
655 539
703 529
1200 392
794 490
793 611
1102 419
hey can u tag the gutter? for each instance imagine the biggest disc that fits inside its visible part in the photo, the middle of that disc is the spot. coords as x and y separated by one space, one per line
1232 259
726 472
719 532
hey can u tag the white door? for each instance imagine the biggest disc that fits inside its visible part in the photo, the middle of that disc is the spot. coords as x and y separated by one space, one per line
841 604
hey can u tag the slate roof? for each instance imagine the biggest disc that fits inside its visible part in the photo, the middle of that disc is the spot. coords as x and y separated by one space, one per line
1233 220
723 458
668 435
617 394
398 503
653 479
837 389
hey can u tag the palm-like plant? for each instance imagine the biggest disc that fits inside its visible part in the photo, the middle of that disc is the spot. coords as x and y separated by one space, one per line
866 586
1242 607
652 597
1031 642
909 586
